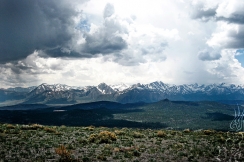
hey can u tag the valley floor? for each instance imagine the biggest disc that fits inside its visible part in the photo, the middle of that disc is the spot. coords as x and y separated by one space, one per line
61 143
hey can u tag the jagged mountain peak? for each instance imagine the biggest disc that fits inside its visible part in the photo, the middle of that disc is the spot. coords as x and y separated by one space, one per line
43 86
157 82
60 87
40 89
158 85
120 87
102 85
137 85
105 89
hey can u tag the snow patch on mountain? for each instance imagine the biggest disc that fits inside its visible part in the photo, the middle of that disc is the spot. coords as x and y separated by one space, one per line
105 89
119 87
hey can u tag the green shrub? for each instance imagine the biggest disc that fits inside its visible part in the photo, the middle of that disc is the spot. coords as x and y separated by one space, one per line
50 130
102 157
103 137
187 130
10 126
65 155
208 132
138 135
161 134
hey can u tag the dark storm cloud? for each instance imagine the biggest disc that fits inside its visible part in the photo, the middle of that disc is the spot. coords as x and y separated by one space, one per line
32 65
232 37
14 74
48 27
19 67
205 55
62 52
108 38
236 38
203 14
104 42
29 25
235 18
200 12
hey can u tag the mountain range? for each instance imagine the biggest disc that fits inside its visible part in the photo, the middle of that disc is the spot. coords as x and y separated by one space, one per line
152 92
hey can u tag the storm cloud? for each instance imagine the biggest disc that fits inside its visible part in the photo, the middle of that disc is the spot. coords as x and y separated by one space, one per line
29 25
109 37
206 55
231 11
203 13
229 16
86 42
229 36
228 11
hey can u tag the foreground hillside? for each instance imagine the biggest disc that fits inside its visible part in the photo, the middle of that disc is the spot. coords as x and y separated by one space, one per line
52 143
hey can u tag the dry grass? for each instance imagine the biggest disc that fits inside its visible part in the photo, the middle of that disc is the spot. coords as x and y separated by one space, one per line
48 143
103 137
65 155
161 134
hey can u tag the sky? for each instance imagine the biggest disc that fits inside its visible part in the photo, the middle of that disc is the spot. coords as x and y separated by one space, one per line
87 42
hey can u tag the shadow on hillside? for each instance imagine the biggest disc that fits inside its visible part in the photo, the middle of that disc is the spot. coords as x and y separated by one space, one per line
188 103
130 124
218 116
76 117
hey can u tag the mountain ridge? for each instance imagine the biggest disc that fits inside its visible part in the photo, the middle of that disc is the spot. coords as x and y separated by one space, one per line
151 92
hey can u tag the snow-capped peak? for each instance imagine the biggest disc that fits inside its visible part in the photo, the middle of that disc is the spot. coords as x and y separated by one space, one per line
43 86
60 87
119 87
104 88
158 85
54 87
154 86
